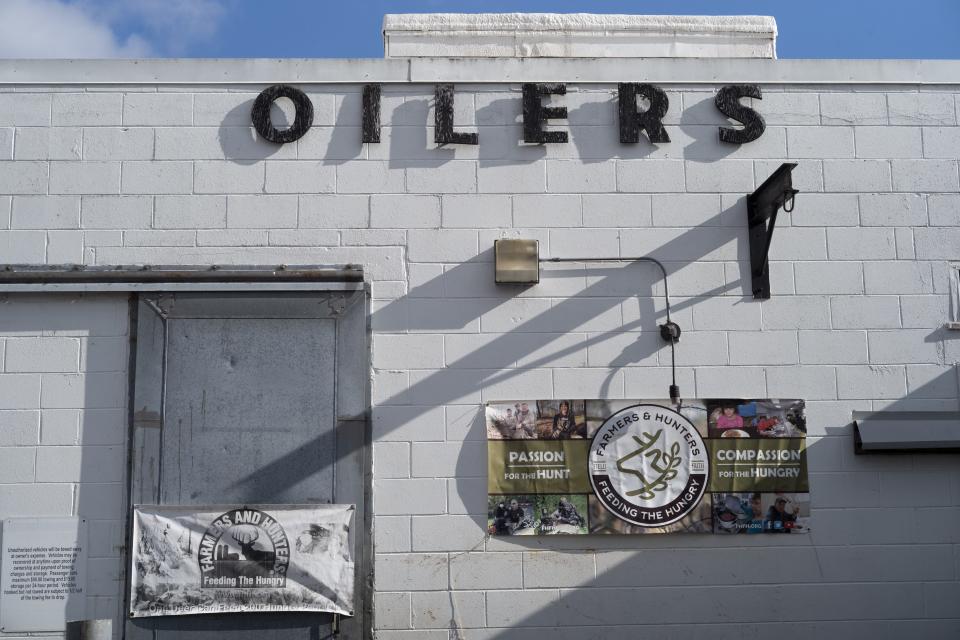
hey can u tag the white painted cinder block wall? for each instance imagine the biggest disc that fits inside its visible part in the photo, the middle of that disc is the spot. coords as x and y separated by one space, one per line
861 289
63 423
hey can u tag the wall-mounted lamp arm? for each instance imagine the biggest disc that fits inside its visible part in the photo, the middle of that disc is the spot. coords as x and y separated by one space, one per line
669 331
663 270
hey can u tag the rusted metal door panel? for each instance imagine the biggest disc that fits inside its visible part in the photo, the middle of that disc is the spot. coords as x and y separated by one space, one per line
258 398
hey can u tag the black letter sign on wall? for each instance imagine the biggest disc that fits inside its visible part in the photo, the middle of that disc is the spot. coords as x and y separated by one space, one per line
371 113
633 121
728 102
534 113
443 112
261 114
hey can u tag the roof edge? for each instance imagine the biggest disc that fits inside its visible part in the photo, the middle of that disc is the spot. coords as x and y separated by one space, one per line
357 71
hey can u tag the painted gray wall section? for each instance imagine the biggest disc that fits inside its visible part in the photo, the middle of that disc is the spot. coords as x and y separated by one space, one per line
172 174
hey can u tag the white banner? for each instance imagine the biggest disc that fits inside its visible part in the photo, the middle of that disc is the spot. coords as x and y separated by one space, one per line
221 559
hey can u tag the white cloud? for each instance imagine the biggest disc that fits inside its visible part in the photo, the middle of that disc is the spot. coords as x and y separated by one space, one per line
93 28
55 29
170 24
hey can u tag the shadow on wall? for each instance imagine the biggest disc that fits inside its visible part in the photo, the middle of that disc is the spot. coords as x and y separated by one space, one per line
632 295
408 133
878 561
881 546
240 142
727 586
408 130
67 358
408 138
880 531
721 586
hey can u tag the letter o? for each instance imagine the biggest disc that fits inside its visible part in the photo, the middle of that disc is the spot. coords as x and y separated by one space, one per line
261 114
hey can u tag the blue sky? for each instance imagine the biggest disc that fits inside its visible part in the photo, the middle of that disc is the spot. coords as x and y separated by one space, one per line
324 28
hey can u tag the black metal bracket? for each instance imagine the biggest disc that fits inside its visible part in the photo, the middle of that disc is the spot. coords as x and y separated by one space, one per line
775 193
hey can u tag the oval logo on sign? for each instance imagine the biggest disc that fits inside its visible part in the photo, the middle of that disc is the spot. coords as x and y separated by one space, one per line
244 548
648 465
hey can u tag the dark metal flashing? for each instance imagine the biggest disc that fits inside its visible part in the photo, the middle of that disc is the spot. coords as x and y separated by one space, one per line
135 277
892 432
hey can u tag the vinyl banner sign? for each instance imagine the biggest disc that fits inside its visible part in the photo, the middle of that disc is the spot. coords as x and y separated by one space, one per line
194 560
722 466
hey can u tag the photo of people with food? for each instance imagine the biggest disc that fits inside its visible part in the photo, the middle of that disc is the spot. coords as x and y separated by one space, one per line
738 418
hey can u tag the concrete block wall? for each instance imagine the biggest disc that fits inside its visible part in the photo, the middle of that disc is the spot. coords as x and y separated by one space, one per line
63 423
861 283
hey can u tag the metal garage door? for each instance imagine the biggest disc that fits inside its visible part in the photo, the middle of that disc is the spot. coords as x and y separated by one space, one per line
252 399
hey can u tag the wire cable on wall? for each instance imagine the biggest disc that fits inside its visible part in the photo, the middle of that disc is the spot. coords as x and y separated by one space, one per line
670 331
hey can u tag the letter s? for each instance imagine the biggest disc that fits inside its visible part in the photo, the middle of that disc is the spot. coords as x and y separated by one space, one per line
728 102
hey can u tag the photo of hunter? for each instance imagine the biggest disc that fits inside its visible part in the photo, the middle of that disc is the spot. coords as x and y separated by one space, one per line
536 420
524 515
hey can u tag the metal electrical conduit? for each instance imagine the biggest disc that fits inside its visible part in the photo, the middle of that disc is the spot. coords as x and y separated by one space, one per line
669 331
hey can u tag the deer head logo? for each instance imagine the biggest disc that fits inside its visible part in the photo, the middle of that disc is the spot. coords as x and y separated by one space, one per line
246 536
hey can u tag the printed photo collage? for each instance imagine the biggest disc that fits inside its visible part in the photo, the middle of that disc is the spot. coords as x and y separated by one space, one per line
539 466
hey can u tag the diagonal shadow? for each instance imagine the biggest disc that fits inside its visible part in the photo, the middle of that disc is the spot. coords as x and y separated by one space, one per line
538 320
823 583
528 338
273 478
555 606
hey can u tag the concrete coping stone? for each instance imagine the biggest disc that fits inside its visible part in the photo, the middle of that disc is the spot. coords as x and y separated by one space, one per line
570 22
577 35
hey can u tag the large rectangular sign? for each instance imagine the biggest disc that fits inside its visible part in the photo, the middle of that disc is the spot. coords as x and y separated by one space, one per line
219 559
44 566
647 466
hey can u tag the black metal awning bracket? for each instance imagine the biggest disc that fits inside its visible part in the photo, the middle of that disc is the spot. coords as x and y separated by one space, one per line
763 205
